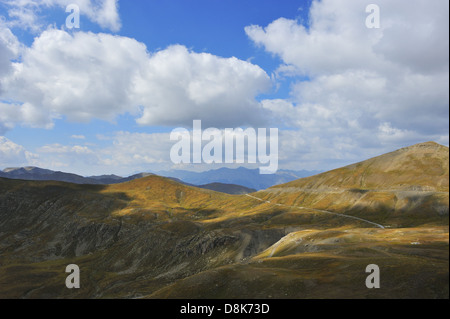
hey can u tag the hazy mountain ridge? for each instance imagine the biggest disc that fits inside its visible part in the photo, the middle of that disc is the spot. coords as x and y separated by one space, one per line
39 174
250 178
36 173
154 237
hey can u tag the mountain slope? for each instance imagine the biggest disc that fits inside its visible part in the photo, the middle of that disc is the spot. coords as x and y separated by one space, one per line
156 238
403 188
228 188
151 228
406 187
423 166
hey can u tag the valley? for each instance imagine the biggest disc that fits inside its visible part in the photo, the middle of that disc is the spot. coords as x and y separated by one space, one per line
154 237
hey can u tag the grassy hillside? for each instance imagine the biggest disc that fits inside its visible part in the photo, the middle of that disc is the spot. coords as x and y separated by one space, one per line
311 238
408 187
423 166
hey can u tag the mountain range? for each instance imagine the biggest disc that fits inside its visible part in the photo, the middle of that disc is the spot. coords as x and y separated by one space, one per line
250 178
230 181
154 237
39 174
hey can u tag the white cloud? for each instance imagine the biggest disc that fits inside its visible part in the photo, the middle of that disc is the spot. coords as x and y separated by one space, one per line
26 13
178 86
80 76
127 153
137 150
362 91
12 114
72 158
363 81
64 149
12 154
9 50
412 34
88 76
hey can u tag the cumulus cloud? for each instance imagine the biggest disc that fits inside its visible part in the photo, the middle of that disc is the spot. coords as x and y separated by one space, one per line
79 159
64 149
121 153
12 114
9 50
355 93
25 13
12 154
379 88
85 76
412 34
178 86
137 150
80 76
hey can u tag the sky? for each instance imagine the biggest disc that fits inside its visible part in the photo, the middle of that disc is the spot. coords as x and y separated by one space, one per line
104 97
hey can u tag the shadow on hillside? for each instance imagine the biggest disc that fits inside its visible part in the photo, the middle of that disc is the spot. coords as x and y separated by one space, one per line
36 198
415 211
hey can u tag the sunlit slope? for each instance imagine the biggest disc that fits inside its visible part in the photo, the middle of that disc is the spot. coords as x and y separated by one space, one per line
331 264
422 166
159 194
129 240
165 199
156 238
404 188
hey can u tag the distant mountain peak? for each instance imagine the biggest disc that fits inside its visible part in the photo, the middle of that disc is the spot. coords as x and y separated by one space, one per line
13 169
27 170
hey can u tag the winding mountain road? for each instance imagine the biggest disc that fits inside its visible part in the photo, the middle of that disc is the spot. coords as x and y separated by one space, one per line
320 211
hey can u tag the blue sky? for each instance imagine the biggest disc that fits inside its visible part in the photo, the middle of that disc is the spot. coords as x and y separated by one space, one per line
103 98
213 26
